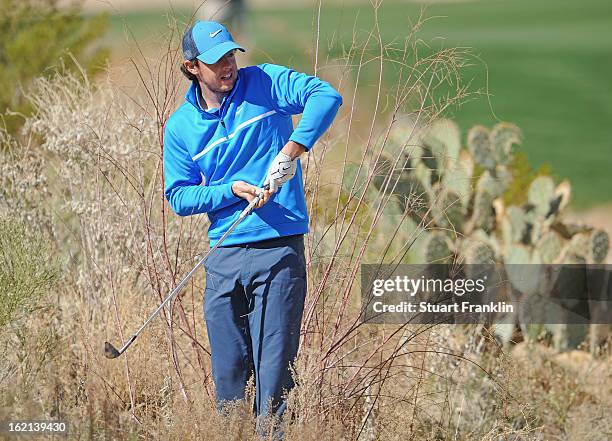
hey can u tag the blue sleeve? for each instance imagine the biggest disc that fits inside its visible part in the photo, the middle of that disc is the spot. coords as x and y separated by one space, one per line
183 188
294 93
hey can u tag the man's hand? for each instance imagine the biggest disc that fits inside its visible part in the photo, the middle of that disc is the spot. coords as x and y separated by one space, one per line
250 192
283 167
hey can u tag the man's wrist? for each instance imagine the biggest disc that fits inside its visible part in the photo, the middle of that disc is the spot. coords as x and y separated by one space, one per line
293 149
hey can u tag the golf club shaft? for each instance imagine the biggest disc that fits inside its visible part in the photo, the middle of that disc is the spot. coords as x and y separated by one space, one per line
183 282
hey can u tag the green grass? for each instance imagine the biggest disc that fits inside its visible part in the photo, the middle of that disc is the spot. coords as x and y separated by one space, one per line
549 67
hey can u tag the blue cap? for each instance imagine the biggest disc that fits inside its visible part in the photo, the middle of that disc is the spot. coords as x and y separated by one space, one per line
207 41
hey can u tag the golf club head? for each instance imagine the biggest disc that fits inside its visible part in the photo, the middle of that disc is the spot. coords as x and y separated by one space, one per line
110 351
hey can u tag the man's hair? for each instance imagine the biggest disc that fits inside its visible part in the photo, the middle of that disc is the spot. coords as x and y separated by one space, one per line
189 75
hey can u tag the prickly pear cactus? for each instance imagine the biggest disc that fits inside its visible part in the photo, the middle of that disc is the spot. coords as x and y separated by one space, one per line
459 193
430 185
479 145
448 211
414 198
458 177
478 253
561 198
550 247
483 213
443 142
504 137
514 226
436 248
599 246
541 194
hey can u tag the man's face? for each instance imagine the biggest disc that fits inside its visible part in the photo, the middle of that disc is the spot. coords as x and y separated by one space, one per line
219 77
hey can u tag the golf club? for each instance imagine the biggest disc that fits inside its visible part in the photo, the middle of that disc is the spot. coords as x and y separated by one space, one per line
111 352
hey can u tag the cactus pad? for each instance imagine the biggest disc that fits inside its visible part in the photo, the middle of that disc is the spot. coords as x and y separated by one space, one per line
577 249
444 140
561 198
413 197
458 177
599 246
479 145
541 194
483 215
436 248
449 212
503 137
549 247
478 253
514 225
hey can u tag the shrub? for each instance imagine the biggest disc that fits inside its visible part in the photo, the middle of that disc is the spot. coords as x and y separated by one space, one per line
36 35
26 271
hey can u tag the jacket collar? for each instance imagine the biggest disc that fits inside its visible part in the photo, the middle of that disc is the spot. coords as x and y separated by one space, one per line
193 96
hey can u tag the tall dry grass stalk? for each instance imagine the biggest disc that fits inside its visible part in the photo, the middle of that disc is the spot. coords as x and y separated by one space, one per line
100 163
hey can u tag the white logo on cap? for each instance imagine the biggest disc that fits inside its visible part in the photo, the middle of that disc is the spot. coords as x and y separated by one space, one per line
214 34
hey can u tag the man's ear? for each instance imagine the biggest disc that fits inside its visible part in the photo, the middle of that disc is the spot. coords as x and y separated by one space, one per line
191 67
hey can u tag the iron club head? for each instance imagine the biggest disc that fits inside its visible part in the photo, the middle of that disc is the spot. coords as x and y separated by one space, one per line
110 351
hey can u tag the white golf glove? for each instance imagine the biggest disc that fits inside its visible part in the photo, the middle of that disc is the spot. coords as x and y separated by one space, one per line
281 170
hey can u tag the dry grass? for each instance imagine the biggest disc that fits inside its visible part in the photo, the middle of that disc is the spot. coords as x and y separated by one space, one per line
101 150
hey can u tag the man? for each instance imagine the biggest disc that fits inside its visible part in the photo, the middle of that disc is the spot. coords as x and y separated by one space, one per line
235 130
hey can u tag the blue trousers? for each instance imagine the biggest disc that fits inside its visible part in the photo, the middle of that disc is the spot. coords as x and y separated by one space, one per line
253 307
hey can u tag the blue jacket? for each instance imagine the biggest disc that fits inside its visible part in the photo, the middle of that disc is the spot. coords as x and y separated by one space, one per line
238 141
